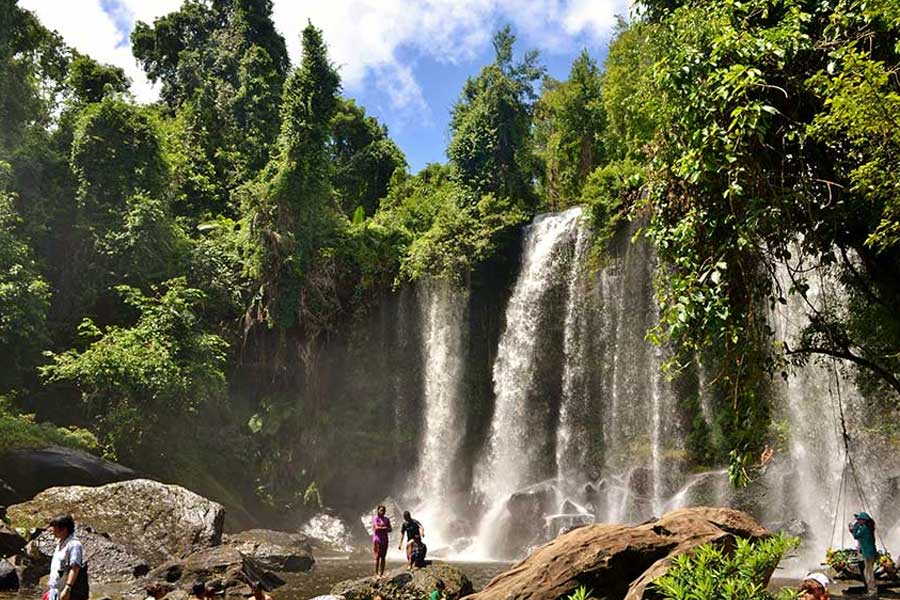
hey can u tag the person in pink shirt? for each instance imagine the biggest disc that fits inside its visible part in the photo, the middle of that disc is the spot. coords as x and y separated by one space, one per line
381 527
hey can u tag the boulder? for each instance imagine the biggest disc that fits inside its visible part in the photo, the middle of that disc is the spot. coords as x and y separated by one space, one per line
29 471
108 562
10 541
155 521
224 563
9 579
618 561
329 533
32 564
275 550
400 584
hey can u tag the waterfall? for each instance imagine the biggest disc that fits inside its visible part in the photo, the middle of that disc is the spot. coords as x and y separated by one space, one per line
572 437
443 310
515 455
808 482
640 421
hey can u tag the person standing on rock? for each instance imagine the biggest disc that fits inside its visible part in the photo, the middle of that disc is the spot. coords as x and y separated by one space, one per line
381 527
863 529
68 570
414 533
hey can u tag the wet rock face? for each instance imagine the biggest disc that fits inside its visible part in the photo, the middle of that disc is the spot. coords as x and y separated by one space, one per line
10 541
400 584
154 521
9 579
274 550
29 471
618 561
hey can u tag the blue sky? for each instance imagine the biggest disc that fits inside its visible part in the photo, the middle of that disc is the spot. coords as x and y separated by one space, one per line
405 61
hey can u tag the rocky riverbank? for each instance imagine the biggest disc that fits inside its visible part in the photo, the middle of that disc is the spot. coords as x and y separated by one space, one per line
140 532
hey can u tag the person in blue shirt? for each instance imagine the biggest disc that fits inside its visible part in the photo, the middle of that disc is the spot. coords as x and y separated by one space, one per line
863 530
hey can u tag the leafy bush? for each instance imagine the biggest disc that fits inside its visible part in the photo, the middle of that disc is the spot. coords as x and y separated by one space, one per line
23 431
715 573
142 383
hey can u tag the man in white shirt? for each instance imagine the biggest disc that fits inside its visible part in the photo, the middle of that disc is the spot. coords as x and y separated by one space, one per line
67 563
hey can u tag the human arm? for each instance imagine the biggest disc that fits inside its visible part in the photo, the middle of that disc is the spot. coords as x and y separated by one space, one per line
71 576
402 532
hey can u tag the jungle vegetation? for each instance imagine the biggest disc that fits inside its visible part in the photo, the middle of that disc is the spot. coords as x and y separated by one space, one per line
153 258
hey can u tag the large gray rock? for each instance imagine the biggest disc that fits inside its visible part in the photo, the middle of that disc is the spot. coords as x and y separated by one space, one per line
29 471
275 550
618 561
108 562
155 521
10 541
223 563
401 584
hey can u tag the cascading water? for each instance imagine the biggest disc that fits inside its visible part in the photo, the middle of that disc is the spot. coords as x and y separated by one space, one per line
806 485
518 436
586 427
572 438
443 311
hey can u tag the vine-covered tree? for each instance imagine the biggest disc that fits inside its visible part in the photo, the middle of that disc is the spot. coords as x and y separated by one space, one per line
491 143
569 123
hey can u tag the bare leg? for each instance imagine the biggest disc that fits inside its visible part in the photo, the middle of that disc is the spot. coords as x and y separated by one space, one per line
382 559
871 586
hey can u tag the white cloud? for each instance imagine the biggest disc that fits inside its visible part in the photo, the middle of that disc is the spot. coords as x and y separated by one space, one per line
85 26
367 39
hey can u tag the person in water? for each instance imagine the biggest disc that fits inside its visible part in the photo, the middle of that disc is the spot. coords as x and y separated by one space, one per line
863 529
381 527
414 533
814 587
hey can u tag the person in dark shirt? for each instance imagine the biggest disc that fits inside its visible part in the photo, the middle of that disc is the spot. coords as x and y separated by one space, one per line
414 533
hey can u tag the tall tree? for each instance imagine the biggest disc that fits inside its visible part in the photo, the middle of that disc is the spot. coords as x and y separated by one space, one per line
290 212
569 123
222 66
491 143
364 158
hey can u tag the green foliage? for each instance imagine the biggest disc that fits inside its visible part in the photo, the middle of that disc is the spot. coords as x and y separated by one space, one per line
582 593
755 121
491 145
290 216
116 153
718 573
608 192
364 159
91 81
24 431
222 66
569 122
444 227
24 299
145 384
